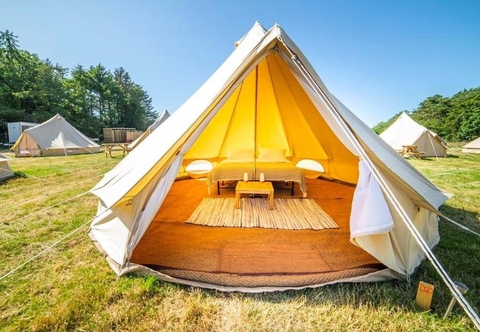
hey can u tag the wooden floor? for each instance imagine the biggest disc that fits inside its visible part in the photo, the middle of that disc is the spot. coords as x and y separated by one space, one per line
171 246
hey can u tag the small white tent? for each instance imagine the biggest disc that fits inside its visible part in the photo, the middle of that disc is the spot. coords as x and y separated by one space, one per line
472 147
54 137
405 131
268 94
164 116
5 170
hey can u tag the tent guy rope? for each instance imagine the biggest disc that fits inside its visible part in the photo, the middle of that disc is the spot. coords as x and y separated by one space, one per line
44 209
53 193
460 225
45 250
50 247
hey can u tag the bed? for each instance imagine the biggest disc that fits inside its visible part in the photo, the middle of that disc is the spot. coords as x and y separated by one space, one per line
273 165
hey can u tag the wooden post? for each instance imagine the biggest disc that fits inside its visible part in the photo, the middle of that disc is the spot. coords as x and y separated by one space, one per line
424 295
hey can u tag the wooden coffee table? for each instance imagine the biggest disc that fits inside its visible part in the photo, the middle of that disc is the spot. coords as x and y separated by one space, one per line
254 188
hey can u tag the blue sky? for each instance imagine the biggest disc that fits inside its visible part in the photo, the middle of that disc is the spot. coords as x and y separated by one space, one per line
377 57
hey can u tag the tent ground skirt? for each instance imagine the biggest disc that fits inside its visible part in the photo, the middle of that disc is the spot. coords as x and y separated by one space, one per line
253 257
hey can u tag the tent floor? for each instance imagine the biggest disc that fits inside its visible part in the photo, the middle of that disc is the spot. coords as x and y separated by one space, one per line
253 257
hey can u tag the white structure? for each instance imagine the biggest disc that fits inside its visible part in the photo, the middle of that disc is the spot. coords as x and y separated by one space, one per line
405 131
267 94
15 129
54 137
5 170
164 116
472 147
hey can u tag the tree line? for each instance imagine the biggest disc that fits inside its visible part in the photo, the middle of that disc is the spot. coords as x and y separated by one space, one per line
455 118
93 98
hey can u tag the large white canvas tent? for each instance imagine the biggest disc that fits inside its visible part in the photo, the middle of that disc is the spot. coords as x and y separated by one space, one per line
472 147
405 131
5 170
54 137
164 116
267 94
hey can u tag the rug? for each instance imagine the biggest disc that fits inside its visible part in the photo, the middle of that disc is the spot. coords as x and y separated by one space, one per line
287 214
258 258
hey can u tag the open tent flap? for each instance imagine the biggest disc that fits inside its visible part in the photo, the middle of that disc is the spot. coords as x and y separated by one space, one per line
370 212
259 98
372 225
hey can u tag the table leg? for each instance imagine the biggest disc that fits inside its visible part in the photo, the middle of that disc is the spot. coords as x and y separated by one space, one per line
270 198
237 200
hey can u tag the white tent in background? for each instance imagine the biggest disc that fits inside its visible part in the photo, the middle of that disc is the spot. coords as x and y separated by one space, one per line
267 94
164 116
405 131
5 170
472 147
54 137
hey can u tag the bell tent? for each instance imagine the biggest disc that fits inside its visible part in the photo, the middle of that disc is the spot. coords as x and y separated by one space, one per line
5 170
405 131
164 116
266 96
472 147
54 137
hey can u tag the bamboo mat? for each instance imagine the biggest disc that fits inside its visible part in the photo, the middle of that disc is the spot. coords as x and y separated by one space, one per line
288 213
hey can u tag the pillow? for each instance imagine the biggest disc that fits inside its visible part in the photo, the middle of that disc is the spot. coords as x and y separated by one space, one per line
240 154
272 155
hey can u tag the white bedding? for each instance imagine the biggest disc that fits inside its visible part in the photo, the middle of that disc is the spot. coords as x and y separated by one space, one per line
233 170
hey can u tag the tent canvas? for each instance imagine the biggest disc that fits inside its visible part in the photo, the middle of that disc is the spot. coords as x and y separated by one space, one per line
267 94
405 131
164 116
472 147
54 137
5 170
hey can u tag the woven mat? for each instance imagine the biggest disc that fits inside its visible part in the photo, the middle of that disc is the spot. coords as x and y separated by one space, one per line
255 212
258 258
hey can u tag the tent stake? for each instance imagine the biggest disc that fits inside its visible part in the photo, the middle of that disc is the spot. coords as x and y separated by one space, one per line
463 289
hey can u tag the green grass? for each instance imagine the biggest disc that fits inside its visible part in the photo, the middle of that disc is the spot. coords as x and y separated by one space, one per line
72 288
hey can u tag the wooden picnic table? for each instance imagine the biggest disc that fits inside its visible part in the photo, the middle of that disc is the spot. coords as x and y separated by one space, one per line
410 150
109 147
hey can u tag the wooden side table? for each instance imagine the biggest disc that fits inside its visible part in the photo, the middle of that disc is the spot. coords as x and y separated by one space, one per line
253 188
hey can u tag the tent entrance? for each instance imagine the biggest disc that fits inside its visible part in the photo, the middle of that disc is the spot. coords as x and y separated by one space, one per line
270 110
253 256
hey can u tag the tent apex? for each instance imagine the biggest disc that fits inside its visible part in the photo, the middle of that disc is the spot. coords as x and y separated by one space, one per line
256 29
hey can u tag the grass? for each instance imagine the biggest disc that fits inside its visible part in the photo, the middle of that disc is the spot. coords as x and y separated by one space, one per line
71 287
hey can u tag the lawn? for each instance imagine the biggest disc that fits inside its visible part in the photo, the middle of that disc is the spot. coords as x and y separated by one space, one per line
52 278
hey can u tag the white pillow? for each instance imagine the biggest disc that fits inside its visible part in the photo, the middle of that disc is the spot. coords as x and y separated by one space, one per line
240 154
272 155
